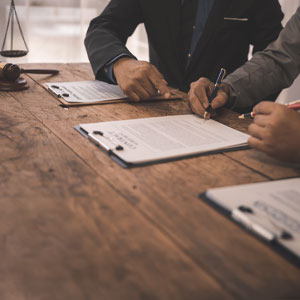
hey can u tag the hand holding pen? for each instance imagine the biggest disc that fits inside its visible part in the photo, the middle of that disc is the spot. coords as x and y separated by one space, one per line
205 96
214 92
276 130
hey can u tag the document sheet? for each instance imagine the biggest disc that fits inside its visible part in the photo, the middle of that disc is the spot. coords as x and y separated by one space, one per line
275 208
86 91
159 138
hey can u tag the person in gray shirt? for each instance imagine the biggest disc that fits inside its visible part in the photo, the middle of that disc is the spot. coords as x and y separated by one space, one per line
276 129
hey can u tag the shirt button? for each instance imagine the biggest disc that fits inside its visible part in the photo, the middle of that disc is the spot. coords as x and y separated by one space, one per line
189 55
194 27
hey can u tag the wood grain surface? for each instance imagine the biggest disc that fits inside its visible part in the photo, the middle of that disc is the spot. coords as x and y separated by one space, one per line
75 225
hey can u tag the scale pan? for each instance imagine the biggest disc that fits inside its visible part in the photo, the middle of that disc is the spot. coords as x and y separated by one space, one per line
13 53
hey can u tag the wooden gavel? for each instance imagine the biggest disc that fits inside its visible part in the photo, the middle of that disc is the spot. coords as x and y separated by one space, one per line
11 72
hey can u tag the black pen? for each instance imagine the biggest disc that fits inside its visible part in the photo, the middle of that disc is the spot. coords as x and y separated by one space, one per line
221 76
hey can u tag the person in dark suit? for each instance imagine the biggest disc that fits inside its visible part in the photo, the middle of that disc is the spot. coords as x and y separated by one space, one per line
187 39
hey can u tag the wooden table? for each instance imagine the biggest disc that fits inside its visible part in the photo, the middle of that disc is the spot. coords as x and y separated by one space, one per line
75 225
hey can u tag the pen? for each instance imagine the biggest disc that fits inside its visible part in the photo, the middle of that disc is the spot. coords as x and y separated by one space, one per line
293 105
215 91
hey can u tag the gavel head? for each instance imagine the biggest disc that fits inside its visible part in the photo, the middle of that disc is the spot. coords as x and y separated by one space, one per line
9 72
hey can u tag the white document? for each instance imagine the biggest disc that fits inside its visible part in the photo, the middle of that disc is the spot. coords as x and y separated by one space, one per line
275 209
86 91
160 138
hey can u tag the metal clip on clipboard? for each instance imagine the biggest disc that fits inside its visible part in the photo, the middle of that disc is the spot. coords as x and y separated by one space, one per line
56 91
239 215
103 145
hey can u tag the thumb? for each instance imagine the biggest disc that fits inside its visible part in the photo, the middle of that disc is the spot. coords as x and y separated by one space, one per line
164 90
220 100
160 83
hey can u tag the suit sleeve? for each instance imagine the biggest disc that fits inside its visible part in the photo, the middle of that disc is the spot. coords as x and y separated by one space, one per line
107 34
265 23
268 71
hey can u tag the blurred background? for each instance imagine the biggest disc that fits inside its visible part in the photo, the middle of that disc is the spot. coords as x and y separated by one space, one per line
54 31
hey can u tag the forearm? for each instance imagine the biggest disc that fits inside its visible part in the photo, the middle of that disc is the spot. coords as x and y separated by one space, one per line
256 80
107 34
268 71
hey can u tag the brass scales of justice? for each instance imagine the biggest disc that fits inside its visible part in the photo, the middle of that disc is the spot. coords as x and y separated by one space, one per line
10 79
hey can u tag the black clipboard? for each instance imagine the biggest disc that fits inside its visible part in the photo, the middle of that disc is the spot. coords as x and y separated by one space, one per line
126 165
62 92
272 243
114 157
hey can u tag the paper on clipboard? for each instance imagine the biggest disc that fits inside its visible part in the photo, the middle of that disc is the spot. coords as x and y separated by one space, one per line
94 92
88 91
162 138
271 210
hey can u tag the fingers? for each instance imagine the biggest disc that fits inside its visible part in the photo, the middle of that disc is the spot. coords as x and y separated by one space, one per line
148 88
198 99
139 80
201 89
261 139
159 82
256 131
199 96
256 144
136 92
144 81
261 120
132 96
195 105
220 100
221 97
264 107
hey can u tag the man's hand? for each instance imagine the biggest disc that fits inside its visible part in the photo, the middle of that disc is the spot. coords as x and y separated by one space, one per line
276 131
139 80
199 93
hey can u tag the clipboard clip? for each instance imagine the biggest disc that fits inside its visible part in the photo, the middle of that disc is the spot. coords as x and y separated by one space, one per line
102 144
239 215
53 88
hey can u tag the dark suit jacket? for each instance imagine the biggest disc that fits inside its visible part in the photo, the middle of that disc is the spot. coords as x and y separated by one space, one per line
224 42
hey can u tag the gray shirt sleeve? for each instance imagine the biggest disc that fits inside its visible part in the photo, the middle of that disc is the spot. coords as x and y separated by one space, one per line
268 71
